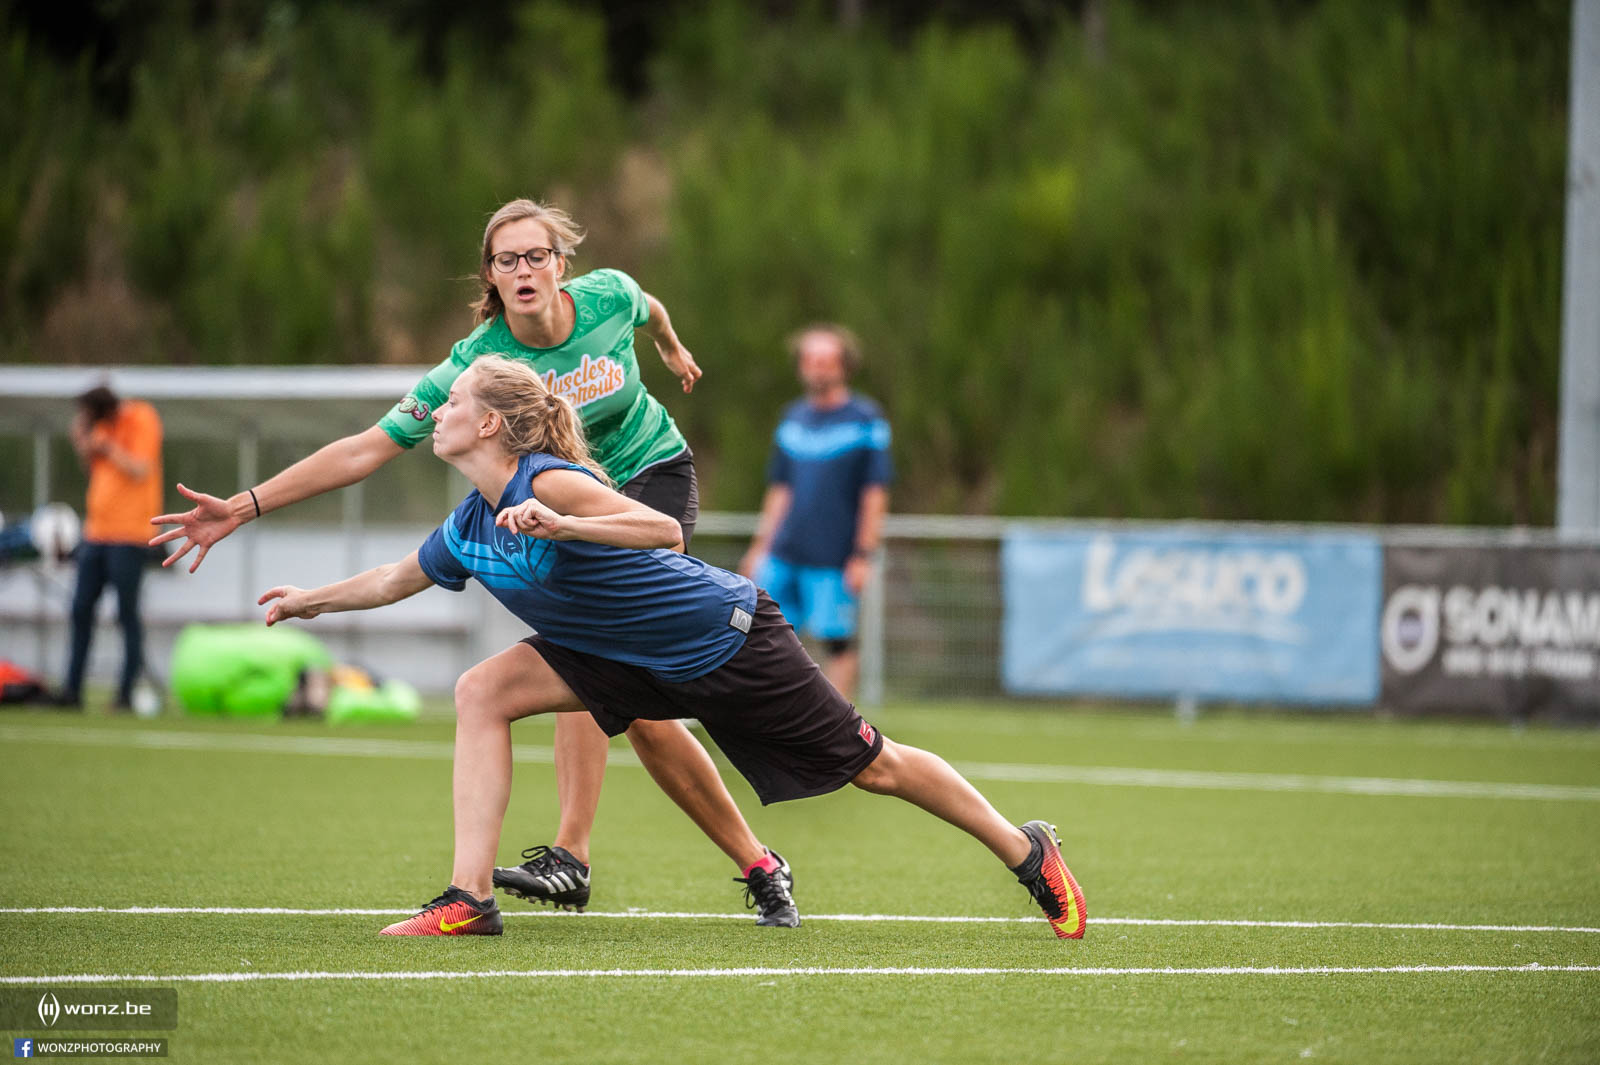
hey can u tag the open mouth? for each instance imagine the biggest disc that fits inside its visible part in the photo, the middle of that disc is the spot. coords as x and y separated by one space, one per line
525 292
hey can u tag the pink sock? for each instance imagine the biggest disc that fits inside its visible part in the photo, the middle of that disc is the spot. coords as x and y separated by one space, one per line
768 864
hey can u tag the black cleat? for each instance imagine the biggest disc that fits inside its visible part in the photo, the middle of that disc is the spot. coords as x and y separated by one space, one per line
551 874
769 894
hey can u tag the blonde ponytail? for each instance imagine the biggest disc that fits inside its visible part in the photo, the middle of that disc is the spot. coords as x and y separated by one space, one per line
534 418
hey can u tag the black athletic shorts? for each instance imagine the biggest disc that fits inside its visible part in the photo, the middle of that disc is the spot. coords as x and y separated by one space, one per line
669 487
782 725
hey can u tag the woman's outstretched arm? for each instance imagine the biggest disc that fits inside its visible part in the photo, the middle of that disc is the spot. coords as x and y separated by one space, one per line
376 587
341 463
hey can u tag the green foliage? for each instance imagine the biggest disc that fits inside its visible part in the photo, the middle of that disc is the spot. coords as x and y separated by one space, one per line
1258 265
1269 261
49 135
282 189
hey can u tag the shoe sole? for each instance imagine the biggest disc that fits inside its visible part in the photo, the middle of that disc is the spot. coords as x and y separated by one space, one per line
498 928
1073 923
784 922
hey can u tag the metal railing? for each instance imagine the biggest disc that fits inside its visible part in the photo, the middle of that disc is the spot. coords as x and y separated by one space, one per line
930 619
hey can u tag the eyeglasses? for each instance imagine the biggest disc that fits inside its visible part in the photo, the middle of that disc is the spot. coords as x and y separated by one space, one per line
506 261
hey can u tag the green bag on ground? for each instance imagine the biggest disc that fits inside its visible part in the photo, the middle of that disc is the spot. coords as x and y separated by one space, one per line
394 700
242 670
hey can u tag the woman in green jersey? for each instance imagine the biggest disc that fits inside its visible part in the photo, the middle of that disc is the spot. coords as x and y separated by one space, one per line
578 334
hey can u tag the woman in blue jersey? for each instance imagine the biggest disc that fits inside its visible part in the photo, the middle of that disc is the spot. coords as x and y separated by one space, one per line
630 630
577 333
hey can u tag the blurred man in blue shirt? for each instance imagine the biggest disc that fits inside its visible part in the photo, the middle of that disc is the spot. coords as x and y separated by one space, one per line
827 493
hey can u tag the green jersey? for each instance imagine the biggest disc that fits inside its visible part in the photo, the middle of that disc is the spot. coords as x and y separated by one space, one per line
627 428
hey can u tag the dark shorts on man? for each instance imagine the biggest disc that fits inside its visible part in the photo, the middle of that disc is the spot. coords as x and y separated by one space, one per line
769 708
669 487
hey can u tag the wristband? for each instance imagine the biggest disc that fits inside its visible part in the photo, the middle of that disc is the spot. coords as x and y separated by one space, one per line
254 500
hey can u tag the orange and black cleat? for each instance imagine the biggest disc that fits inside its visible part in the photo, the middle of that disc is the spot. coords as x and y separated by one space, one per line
455 913
1050 882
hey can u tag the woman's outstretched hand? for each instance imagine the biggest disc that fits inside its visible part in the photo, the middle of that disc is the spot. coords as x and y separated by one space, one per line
209 521
292 603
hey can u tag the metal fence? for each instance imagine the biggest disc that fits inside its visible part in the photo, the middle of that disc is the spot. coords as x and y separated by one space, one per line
930 621
930 624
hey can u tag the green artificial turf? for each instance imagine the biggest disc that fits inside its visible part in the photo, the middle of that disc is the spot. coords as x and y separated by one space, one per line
182 812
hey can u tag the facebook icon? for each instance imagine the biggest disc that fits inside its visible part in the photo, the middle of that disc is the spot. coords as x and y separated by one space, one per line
22 1048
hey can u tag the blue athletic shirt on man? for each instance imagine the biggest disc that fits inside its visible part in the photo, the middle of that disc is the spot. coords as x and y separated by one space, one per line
826 457
669 613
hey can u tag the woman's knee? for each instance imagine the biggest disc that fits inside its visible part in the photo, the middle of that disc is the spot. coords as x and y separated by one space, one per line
475 693
651 737
882 774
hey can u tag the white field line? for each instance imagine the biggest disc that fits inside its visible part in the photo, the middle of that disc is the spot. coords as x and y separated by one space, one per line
660 915
484 974
1216 781
338 746
1304 731
256 743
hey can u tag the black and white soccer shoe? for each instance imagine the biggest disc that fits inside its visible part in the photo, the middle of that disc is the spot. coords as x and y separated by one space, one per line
771 895
551 874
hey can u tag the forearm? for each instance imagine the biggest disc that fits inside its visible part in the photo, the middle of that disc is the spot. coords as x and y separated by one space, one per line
659 326
869 520
129 463
639 529
376 587
337 465
774 507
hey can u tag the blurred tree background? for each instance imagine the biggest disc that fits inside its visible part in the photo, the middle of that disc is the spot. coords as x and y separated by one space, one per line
1262 260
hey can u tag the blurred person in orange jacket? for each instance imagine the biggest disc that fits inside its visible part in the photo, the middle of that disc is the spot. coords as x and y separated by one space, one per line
119 441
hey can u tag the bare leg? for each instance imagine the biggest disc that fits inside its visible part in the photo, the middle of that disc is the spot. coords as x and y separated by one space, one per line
928 781
683 769
581 747
842 669
513 684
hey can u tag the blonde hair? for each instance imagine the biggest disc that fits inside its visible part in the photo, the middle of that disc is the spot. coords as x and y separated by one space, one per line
533 418
565 236
849 343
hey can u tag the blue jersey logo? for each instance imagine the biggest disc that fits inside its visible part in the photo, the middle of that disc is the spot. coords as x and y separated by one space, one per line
508 561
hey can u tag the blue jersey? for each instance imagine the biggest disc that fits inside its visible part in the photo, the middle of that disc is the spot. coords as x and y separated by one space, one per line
826 457
671 614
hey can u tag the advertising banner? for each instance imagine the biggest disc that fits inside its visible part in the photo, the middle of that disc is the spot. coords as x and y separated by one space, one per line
1165 613
1508 630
